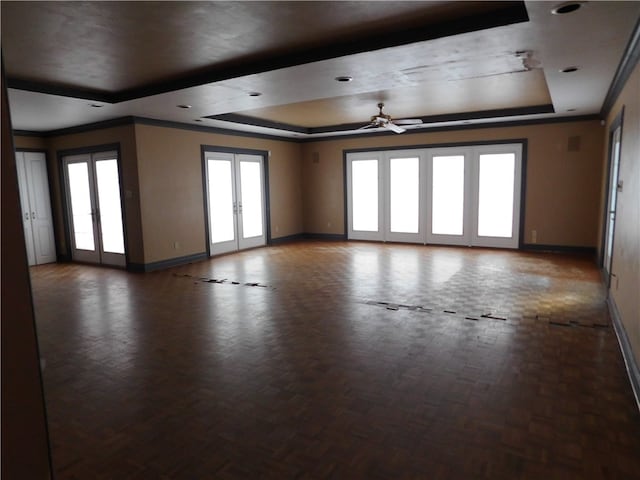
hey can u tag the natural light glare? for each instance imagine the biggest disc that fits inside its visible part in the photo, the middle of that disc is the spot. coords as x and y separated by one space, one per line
81 206
110 206
364 188
495 195
251 193
448 195
404 194
221 216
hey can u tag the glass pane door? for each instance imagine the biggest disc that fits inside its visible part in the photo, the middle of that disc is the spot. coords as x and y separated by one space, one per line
364 209
447 209
222 205
109 210
250 206
82 210
235 201
95 208
497 186
404 200
495 195
467 195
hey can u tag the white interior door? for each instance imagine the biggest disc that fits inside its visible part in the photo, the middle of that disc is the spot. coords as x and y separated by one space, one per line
611 202
36 207
235 201
26 208
95 208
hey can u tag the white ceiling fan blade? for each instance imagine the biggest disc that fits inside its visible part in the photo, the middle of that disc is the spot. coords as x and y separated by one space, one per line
408 121
370 125
394 128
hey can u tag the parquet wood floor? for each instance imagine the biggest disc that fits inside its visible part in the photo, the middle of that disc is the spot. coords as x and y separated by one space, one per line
342 362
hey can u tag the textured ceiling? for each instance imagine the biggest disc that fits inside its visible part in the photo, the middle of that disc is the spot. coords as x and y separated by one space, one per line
439 61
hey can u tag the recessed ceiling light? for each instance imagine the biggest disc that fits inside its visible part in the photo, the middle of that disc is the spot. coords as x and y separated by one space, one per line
344 78
571 109
566 7
184 106
197 119
569 70
96 105
254 94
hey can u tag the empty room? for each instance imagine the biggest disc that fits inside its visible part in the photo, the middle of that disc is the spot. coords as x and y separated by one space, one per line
309 239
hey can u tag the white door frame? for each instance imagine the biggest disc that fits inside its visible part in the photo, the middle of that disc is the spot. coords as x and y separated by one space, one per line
97 255
498 242
256 240
443 239
362 234
469 236
239 242
405 237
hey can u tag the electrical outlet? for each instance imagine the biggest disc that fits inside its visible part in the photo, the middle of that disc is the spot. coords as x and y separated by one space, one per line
176 245
277 228
328 224
534 236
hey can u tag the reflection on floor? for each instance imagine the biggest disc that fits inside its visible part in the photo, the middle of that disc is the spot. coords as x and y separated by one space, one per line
360 360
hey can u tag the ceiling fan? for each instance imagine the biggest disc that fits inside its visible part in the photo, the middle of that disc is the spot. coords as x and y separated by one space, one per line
382 120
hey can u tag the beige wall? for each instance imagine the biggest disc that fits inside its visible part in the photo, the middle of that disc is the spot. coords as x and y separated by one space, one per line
625 286
37 143
562 188
171 188
162 184
125 136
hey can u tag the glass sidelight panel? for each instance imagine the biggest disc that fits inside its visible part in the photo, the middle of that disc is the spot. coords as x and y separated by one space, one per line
496 185
250 206
221 208
404 195
364 188
81 208
447 207
109 207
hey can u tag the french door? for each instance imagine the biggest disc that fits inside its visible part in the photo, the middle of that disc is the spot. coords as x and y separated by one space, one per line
235 201
611 202
385 197
95 208
454 196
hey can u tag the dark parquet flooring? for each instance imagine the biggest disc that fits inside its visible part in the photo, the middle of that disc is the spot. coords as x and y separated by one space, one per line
336 360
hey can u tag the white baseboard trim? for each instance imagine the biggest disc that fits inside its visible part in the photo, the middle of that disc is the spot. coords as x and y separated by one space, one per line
625 346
